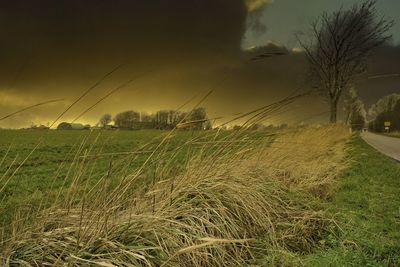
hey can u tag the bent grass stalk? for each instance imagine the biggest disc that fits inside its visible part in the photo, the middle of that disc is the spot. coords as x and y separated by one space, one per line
208 212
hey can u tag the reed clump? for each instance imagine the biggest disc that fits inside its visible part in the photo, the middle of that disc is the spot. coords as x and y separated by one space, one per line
232 201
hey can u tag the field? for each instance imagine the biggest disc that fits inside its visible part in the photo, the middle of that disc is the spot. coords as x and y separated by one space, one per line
42 159
301 196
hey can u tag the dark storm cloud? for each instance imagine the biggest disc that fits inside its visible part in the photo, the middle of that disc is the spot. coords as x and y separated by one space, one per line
256 9
56 36
385 60
58 49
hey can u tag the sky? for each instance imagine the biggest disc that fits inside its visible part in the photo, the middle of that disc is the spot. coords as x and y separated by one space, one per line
169 52
284 18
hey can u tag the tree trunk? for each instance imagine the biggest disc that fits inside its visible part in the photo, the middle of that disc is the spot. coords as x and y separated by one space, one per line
333 118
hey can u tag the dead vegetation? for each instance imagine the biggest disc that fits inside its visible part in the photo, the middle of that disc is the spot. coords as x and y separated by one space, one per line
232 202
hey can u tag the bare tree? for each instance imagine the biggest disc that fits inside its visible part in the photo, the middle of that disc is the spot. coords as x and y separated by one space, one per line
355 110
385 104
353 104
340 44
105 119
127 119
199 119
146 117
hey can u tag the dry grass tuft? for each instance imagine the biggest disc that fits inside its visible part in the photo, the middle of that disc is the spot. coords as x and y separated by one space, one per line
209 213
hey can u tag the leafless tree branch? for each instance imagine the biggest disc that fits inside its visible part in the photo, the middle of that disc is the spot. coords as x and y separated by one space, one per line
340 44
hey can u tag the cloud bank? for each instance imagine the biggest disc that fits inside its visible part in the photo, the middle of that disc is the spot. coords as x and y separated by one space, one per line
177 48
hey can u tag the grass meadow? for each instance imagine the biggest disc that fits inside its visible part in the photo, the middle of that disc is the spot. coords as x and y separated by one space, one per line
366 206
307 196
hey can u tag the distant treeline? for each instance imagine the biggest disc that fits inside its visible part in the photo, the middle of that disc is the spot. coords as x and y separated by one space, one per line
387 109
197 119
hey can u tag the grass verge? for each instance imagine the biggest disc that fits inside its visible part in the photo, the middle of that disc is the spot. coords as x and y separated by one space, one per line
367 208
393 134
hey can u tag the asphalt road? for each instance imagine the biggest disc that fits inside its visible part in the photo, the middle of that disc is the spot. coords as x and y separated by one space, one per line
389 146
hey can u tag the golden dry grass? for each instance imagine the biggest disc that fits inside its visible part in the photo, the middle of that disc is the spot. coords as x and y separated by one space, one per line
212 212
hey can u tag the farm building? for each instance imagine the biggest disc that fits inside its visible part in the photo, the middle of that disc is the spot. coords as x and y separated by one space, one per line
72 126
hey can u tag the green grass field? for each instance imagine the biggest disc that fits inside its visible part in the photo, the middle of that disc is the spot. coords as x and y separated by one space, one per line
367 208
36 166
34 161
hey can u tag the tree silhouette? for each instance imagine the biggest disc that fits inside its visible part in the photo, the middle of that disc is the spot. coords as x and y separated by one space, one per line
105 119
339 47
126 119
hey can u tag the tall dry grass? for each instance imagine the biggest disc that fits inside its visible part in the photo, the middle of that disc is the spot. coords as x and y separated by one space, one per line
235 198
